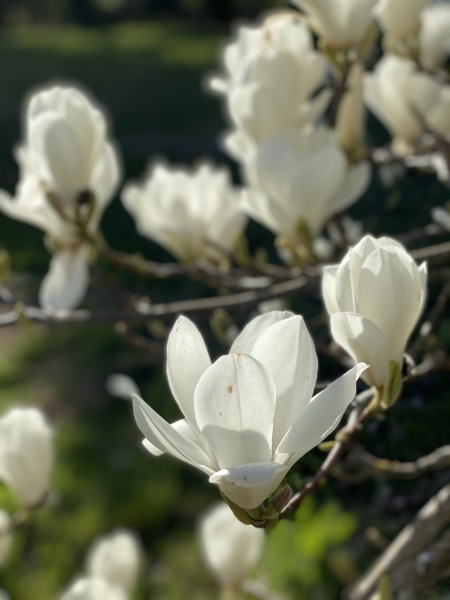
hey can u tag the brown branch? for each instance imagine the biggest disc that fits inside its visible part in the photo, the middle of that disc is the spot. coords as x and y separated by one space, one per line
367 465
416 536
431 252
359 414
145 311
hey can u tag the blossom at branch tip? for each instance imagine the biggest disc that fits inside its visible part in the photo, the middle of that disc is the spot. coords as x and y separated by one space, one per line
351 119
400 18
375 297
69 171
340 23
407 101
434 39
272 71
26 454
116 558
302 178
193 214
5 536
93 588
249 416
230 549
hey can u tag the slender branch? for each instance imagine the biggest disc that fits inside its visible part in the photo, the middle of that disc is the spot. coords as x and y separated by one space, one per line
367 465
361 411
430 252
416 536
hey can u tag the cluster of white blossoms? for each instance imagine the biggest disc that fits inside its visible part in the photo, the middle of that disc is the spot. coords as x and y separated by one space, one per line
112 569
231 549
69 171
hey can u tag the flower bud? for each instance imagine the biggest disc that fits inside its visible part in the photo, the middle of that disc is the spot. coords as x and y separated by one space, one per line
5 536
231 549
116 558
26 454
375 297
352 113
435 36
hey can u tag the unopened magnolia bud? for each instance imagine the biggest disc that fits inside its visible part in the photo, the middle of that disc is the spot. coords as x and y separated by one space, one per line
26 454
116 558
231 549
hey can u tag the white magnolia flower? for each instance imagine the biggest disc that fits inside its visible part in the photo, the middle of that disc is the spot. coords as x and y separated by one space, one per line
26 454
193 214
249 416
272 72
340 23
351 118
407 101
375 297
400 18
435 36
290 187
65 160
116 558
230 548
4 595
441 216
5 536
93 588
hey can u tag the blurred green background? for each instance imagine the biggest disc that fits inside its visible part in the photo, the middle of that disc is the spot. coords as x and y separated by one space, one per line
149 74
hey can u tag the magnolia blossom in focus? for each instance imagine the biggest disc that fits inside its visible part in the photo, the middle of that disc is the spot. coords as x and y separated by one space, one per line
407 101
375 297
400 18
340 23
351 118
116 559
271 72
193 214
302 179
249 416
93 588
231 549
5 536
26 454
435 36
68 174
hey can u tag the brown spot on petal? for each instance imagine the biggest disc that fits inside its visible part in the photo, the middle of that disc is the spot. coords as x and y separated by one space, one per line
230 389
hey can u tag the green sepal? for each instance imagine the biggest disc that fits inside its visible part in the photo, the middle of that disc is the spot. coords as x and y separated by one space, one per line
393 387
260 517
240 513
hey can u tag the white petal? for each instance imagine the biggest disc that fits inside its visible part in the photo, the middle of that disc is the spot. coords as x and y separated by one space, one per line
322 415
354 186
287 351
167 439
246 339
364 342
187 360
234 407
65 285
329 288
151 448
249 485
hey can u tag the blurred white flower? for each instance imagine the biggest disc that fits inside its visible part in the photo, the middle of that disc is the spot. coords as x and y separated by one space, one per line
351 118
407 101
272 72
4 595
26 454
340 23
116 558
323 248
93 588
353 230
68 174
400 18
435 36
302 179
249 416
193 214
441 216
5 536
375 297
230 548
